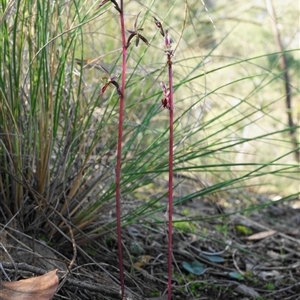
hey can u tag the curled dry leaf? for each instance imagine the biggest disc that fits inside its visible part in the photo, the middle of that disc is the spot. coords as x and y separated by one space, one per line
40 287
261 235
246 290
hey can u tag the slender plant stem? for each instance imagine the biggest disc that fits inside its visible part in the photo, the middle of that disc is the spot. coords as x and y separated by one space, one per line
167 102
119 151
170 204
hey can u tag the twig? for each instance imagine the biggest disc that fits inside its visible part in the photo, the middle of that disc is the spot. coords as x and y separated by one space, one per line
283 65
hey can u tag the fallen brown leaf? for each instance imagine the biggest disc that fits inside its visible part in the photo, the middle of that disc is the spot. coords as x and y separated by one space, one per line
261 235
41 287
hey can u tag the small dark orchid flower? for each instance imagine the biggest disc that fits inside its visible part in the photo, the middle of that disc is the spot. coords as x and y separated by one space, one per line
110 80
136 33
113 1
158 24
166 99
168 40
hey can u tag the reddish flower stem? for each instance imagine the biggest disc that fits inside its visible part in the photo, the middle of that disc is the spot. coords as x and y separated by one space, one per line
119 151
170 204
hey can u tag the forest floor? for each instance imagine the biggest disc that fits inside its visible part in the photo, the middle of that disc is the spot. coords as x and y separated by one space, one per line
250 255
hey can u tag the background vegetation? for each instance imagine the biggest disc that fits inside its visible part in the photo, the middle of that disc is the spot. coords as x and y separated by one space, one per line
58 133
